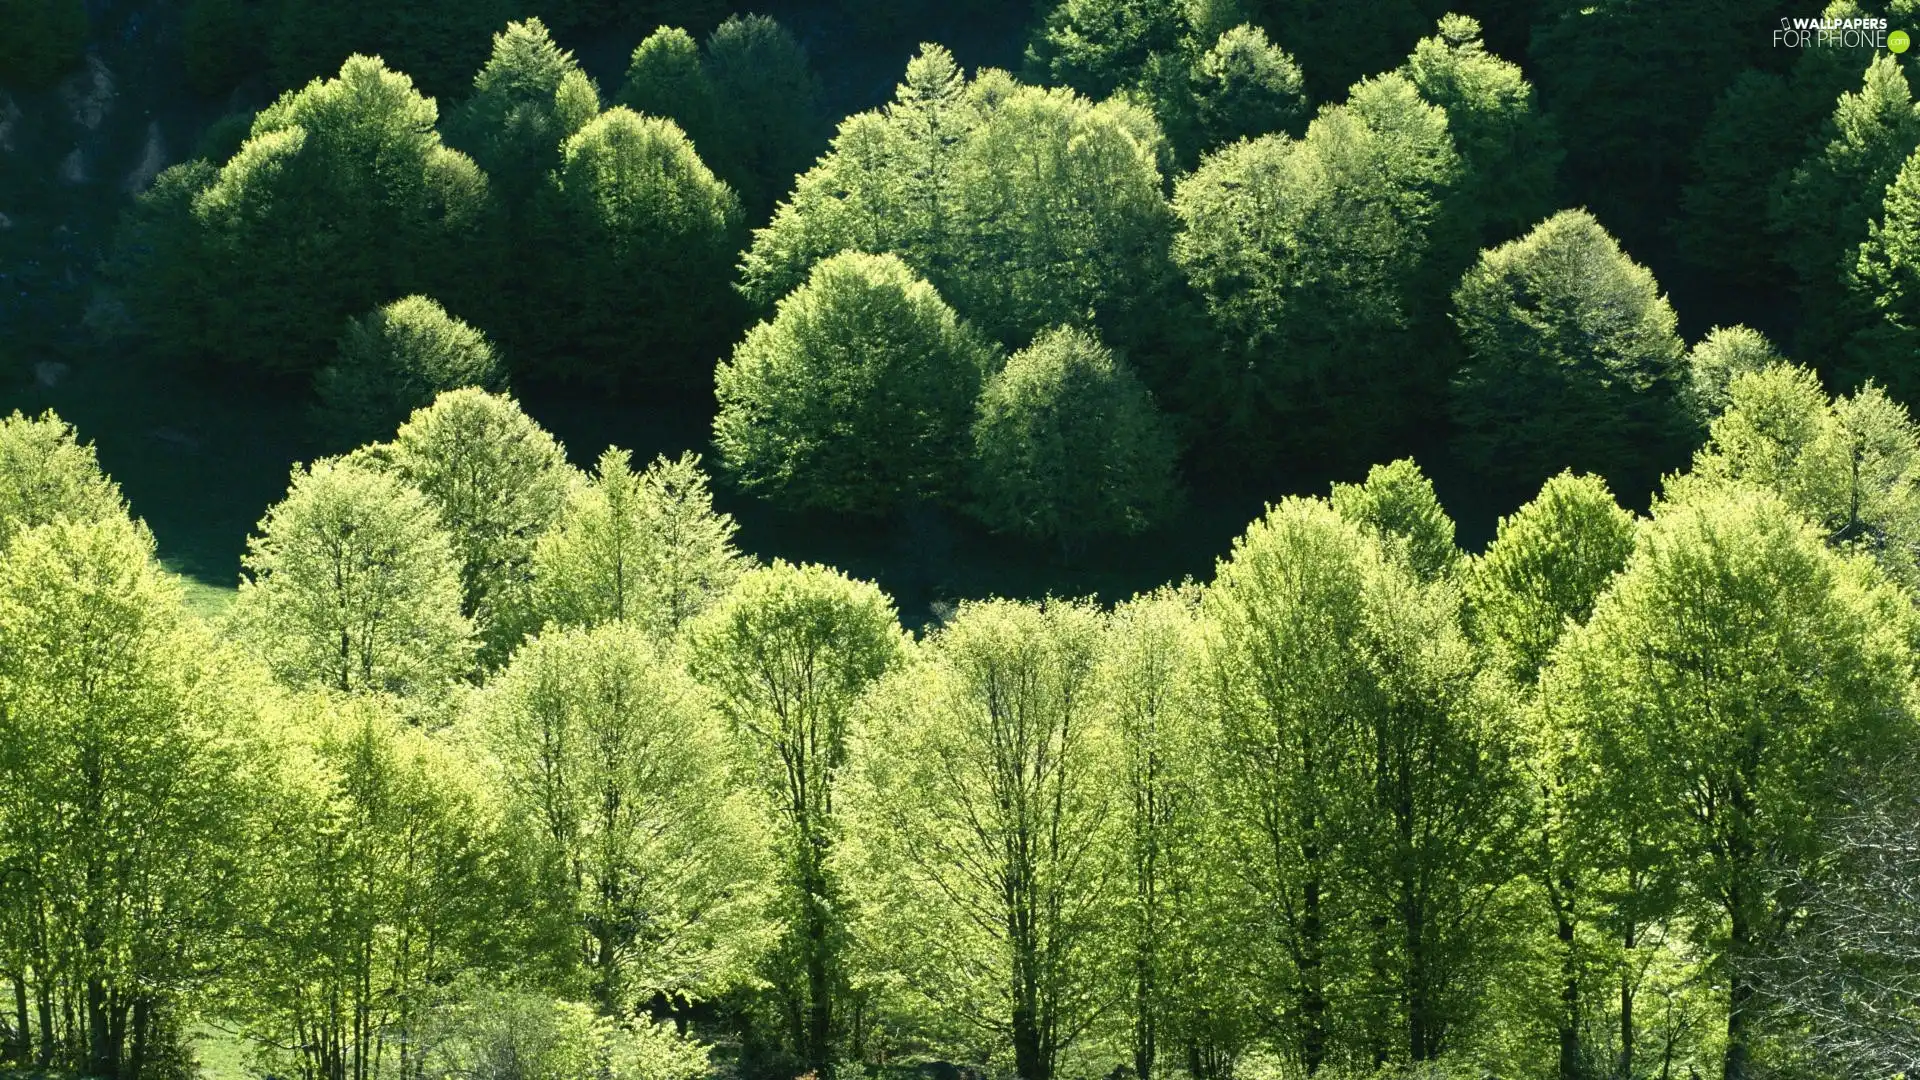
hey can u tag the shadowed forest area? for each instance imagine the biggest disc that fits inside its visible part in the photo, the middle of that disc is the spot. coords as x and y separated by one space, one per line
1078 540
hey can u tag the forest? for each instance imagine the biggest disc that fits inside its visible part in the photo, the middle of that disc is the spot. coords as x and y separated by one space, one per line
498 752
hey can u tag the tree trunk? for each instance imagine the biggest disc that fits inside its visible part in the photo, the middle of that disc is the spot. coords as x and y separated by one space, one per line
102 1060
819 1047
1740 991
45 995
1028 1055
22 1032
1313 991
136 1058
1569 998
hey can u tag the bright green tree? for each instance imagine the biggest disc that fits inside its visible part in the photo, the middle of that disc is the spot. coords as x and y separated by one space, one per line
645 548
989 804
1736 673
637 288
47 474
1726 353
499 482
1572 359
396 359
1068 446
857 394
352 585
1508 145
1398 506
788 654
1282 677
1243 86
131 774
1311 257
1026 208
621 765
385 884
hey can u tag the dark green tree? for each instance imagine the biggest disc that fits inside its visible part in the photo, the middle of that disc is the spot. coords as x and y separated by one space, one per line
1572 359
43 40
396 359
642 238
1068 446
668 77
439 42
772 121
1885 280
857 395
528 100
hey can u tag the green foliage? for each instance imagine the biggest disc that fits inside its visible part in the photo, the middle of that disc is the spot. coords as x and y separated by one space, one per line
48 475
386 885
129 780
396 359
668 77
352 586
787 654
342 199
1068 445
1726 684
1885 280
527 101
645 548
619 766
545 1039
1827 205
1851 466
499 482
857 395
1547 565
986 800
1726 353
644 238
773 120
1100 46
1397 505
1026 208
1312 257
44 39
1509 148
1572 359
1243 86
220 44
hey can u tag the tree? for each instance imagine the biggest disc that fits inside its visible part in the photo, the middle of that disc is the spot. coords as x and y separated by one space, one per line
1282 683
341 199
1547 566
668 77
1100 46
988 772
1883 280
1509 148
47 474
788 653
528 100
352 585
499 482
1067 444
130 780
1732 676
1572 358
1312 258
1243 86
44 39
1829 202
438 40
1026 208
772 118
650 301
1726 353
1850 466
1398 507
386 883
857 395
620 764
397 359
644 547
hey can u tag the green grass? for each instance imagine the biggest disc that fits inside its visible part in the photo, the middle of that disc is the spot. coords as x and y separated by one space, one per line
222 1054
